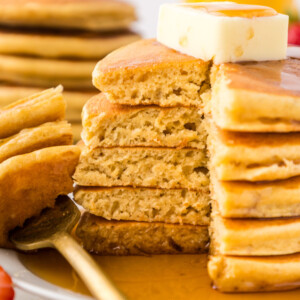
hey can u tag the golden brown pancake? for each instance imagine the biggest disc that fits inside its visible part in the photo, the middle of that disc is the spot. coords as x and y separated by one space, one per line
107 125
74 99
250 237
35 138
31 182
253 156
62 44
142 167
46 106
81 14
146 204
241 199
152 74
256 97
41 72
255 274
139 238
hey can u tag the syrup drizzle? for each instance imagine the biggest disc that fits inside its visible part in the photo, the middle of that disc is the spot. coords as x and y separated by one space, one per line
235 10
274 77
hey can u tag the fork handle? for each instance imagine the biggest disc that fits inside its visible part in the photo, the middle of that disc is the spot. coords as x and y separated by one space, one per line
90 272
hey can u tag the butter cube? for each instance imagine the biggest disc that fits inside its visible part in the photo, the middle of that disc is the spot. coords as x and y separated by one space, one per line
224 31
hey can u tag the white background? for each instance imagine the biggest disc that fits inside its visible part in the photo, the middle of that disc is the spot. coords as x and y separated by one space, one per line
147 11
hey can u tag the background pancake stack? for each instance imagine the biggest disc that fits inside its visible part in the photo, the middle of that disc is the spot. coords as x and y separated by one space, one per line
46 43
254 143
142 173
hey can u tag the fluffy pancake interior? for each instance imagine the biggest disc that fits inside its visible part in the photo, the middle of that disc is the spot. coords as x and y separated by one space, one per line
106 124
147 167
153 75
148 205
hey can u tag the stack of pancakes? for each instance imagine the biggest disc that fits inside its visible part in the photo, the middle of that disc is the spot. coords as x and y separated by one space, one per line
254 144
51 42
37 159
142 174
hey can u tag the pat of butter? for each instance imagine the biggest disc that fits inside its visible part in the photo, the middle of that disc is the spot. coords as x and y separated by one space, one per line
224 31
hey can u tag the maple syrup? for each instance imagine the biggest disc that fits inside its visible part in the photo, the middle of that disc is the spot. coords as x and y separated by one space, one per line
235 10
160 277
275 77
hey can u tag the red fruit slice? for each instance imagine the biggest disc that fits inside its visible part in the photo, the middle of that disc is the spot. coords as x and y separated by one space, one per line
294 34
6 289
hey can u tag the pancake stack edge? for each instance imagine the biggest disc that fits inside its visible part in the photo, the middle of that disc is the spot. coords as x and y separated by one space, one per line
253 141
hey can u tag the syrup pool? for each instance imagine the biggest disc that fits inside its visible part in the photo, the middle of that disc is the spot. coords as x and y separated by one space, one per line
161 277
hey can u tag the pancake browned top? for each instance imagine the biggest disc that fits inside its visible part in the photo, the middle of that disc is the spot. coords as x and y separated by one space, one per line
143 54
273 77
244 224
253 140
100 104
242 186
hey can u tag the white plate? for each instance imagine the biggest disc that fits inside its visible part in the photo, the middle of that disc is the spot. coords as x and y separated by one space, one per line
30 287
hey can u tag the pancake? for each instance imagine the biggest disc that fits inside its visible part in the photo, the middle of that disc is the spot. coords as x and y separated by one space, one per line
140 238
146 72
76 129
31 182
106 125
142 167
256 200
42 72
255 274
75 99
35 138
254 156
62 45
250 237
146 205
80 14
257 97
46 106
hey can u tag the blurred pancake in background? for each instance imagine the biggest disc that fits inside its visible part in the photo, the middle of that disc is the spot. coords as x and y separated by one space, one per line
76 130
63 43
44 43
46 72
81 14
